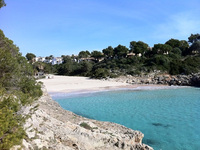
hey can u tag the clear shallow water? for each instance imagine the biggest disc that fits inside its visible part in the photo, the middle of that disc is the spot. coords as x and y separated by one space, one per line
169 118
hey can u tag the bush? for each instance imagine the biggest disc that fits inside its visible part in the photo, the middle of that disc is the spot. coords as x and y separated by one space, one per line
175 67
101 73
85 125
30 87
191 65
11 130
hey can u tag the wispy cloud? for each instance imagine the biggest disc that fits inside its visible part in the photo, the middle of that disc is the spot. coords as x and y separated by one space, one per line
179 25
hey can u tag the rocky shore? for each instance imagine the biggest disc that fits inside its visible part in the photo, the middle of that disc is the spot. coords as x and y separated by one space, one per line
51 127
164 79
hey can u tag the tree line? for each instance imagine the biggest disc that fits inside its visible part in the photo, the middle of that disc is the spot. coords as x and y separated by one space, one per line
173 57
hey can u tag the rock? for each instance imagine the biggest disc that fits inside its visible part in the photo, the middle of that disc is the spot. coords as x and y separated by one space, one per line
164 79
51 127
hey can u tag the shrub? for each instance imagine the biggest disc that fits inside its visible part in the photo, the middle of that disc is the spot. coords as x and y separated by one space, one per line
85 125
101 73
11 131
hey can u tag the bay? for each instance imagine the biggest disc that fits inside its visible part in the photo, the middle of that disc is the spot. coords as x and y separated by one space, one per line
169 118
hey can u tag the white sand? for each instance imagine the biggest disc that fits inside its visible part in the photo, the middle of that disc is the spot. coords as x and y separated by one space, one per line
67 84
71 84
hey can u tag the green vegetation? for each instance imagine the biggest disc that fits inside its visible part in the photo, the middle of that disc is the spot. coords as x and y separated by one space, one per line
30 57
85 125
138 47
17 88
173 57
2 3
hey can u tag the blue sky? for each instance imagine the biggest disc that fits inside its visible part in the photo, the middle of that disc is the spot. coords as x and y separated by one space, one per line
65 27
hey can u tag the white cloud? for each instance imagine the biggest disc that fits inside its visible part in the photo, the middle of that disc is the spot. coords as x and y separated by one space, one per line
178 26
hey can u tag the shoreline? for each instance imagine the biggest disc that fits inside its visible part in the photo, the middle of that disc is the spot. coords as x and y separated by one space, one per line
64 130
128 88
52 127
67 85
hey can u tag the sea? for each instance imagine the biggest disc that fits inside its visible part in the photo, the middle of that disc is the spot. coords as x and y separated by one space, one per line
169 118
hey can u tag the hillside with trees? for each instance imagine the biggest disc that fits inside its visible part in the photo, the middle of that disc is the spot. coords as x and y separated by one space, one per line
17 89
173 57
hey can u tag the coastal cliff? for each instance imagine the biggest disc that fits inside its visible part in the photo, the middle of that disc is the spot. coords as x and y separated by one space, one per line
51 127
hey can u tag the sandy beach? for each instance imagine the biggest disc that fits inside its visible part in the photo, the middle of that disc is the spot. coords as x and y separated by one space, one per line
67 84
71 84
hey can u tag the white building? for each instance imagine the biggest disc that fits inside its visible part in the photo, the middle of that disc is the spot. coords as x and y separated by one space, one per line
57 60
40 59
53 61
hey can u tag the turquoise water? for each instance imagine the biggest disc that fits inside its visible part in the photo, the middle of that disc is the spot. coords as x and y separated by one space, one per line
169 118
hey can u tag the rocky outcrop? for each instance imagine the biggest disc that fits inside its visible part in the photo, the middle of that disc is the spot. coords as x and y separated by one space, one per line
164 79
51 127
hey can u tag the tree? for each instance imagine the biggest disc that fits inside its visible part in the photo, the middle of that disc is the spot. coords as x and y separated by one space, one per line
11 131
83 54
161 48
30 56
138 47
8 68
97 55
7 44
175 67
2 3
73 57
195 48
100 73
176 51
193 38
66 59
161 62
65 69
87 52
191 64
85 68
174 43
17 88
108 52
184 47
120 51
